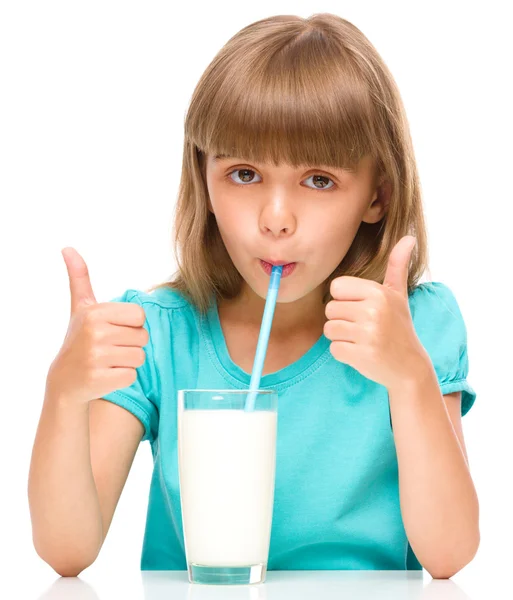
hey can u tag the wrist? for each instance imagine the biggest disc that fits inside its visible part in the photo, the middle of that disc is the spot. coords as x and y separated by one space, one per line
58 400
419 378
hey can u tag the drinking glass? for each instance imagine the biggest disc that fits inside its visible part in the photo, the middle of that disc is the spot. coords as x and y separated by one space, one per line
227 462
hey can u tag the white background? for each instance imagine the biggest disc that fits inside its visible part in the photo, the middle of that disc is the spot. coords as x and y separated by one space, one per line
92 103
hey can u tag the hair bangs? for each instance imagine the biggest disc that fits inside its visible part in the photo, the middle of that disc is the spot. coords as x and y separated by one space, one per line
300 106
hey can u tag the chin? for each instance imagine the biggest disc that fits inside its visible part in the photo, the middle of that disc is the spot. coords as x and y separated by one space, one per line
285 296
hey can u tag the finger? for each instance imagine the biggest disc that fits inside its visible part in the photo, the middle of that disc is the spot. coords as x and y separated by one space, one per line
352 288
119 377
396 276
119 335
79 282
342 331
346 352
342 309
122 356
122 313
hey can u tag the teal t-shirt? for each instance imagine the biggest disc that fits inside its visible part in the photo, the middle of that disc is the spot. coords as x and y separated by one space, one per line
336 503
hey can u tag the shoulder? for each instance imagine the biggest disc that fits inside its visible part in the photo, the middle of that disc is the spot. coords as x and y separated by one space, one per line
439 324
161 303
438 320
434 300
163 297
169 314
167 310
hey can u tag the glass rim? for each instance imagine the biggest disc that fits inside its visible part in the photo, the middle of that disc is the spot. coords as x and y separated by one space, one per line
228 391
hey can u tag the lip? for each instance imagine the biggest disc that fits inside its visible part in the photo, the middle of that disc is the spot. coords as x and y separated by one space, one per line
288 268
277 263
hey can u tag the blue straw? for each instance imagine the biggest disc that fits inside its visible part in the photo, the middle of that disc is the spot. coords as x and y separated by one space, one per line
263 337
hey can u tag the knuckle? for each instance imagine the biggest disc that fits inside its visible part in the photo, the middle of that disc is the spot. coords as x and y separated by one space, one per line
369 328
372 313
380 294
88 316
372 332
132 377
141 357
94 355
376 333
96 334
335 350
141 315
334 287
129 376
327 328
327 310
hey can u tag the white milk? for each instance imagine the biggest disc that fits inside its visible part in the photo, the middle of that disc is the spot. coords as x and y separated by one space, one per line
227 464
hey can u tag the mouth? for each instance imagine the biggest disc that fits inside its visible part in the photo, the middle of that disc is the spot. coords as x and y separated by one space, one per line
288 267
277 263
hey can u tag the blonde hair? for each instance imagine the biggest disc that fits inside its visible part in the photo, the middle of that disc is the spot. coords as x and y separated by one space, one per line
304 91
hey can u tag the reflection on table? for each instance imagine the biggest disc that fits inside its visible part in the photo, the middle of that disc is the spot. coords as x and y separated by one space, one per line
282 585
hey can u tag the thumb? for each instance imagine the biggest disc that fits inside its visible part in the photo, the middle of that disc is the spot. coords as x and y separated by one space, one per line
79 282
396 276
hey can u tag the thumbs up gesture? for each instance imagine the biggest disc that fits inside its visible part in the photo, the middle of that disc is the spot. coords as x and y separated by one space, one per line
103 344
370 324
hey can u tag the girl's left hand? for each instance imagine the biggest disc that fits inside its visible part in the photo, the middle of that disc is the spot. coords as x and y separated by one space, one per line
370 324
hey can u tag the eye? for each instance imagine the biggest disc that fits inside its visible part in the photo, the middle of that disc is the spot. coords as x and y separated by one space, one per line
248 178
245 175
318 178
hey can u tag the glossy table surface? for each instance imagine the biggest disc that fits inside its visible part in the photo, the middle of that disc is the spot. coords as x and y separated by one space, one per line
103 584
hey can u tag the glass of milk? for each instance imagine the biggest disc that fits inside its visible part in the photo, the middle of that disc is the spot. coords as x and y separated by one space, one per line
227 460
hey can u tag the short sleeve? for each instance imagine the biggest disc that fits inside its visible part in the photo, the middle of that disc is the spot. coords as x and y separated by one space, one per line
141 397
440 326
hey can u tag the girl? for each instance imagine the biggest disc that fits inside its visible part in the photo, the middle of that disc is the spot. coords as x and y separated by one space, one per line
296 150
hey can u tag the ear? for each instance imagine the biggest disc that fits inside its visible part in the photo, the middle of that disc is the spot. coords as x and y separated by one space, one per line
385 193
380 203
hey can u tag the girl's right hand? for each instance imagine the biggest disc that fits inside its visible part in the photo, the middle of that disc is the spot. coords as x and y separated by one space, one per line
103 344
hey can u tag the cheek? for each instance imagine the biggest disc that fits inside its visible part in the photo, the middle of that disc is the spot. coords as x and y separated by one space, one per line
333 235
232 220
233 226
336 228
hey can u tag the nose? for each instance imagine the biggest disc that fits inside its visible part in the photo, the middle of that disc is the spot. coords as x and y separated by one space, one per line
277 217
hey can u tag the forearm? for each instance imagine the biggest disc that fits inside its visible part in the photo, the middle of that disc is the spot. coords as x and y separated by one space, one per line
439 504
64 506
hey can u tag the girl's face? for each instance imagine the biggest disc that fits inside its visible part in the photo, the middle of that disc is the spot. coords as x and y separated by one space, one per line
309 216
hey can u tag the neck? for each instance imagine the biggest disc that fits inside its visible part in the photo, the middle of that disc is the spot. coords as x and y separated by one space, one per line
307 314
